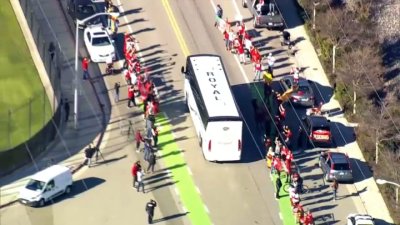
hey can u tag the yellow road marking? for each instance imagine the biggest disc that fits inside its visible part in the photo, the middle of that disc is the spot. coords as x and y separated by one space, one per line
175 27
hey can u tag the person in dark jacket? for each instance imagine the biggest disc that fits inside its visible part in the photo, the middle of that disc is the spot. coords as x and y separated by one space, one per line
152 162
150 206
278 187
89 152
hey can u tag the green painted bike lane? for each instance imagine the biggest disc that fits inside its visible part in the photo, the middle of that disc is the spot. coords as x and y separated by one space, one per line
285 207
179 170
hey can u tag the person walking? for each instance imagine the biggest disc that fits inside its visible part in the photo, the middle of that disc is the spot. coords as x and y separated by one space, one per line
155 135
335 187
218 15
135 168
89 152
138 139
66 109
150 206
257 70
241 53
271 62
152 162
147 149
131 96
51 50
139 177
117 85
278 186
85 68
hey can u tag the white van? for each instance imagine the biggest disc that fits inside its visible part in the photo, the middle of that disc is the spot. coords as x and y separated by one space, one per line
46 185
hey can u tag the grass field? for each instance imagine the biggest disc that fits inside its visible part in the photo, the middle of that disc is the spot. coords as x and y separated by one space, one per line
20 85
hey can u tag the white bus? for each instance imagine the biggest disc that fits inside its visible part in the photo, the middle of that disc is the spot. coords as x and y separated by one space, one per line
212 107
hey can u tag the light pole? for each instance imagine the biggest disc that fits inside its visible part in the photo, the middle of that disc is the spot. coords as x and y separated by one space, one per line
315 3
81 22
381 181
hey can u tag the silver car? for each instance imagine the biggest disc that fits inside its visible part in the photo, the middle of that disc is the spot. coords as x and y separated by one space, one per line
304 96
336 165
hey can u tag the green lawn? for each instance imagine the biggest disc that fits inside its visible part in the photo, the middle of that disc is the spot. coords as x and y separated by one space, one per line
19 85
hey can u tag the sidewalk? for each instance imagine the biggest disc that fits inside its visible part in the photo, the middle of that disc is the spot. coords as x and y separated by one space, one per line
372 200
69 142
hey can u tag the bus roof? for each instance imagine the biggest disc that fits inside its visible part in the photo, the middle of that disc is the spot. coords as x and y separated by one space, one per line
214 86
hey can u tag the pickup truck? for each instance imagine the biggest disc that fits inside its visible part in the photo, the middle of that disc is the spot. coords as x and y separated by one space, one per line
265 15
360 219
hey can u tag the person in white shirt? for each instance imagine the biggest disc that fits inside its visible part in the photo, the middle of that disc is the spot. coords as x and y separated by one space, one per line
139 177
271 62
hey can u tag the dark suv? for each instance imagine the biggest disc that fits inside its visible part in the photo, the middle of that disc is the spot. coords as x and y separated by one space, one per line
336 165
81 9
318 130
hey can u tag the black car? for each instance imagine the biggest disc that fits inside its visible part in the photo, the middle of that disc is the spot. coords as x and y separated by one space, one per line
81 9
318 130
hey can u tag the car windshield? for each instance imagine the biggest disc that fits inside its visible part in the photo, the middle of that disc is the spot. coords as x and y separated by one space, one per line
35 185
341 166
86 9
304 89
101 41
321 128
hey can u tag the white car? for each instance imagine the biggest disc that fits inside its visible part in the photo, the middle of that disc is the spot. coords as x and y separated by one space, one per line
360 219
98 43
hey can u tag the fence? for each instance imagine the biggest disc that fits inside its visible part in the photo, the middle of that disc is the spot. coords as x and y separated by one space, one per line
27 130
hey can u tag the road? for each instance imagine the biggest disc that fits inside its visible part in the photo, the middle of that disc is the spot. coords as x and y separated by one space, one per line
232 193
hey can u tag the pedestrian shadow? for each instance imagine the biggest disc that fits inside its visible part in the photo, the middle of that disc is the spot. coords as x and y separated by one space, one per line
327 218
109 160
176 152
155 180
161 186
143 30
354 194
156 176
170 217
174 167
131 11
133 21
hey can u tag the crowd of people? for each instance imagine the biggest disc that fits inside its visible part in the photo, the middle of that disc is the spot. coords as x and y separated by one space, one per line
278 153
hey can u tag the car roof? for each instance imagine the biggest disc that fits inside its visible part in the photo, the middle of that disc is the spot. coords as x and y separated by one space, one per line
338 157
83 2
47 174
97 30
224 104
301 82
319 121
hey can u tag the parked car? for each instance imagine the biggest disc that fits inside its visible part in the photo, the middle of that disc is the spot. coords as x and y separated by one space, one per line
268 16
46 185
360 219
335 165
98 43
82 9
318 130
304 96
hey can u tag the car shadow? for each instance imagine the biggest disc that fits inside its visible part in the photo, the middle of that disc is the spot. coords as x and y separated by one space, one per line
79 187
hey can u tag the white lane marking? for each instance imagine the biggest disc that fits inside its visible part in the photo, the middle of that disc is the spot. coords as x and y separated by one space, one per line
206 208
184 209
198 190
238 16
280 216
189 170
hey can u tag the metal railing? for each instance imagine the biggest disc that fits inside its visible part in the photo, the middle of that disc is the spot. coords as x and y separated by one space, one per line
27 129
